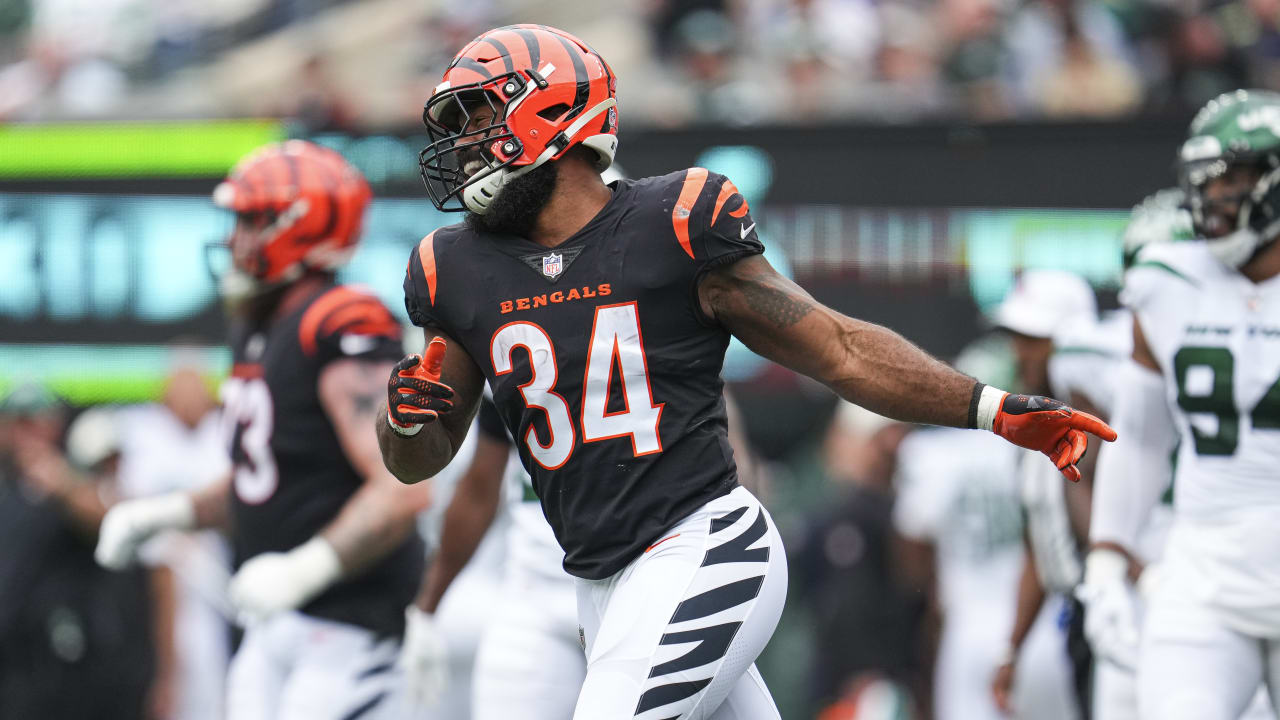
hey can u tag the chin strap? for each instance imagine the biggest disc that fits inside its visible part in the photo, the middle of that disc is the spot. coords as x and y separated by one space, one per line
1258 226
480 195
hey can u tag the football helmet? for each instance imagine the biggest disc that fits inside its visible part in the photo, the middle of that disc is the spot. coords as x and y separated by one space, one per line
298 207
1235 132
513 99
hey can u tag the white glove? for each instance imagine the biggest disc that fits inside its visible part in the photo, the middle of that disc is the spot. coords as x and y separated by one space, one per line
424 657
271 582
1110 624
130 523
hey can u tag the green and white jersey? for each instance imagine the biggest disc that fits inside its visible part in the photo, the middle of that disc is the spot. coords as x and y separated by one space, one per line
1216 338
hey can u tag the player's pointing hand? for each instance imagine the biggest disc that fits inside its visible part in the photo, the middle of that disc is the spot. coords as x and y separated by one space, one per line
1043 424
415 395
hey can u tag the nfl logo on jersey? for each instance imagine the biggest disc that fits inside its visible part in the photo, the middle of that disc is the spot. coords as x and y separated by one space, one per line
552 265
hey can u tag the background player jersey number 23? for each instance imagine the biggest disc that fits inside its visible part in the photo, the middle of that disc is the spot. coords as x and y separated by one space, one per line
247 421
615 340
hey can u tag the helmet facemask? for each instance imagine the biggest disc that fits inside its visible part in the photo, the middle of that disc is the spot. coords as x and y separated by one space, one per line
470 158
1238 223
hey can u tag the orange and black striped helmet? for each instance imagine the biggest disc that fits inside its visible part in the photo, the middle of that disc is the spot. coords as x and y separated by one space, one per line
545 92
298 206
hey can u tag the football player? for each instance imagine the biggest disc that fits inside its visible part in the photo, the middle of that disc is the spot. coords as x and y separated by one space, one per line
323 534
1204 379
599 315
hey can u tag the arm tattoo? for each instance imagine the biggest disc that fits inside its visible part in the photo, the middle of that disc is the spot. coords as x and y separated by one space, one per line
366 397
365 403
778 307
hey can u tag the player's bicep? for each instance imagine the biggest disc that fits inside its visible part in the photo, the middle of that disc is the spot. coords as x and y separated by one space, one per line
460 372
351 392
770 314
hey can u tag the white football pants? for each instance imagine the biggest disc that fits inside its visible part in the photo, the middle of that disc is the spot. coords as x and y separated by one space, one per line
674 635
530 663
297 667
1192 666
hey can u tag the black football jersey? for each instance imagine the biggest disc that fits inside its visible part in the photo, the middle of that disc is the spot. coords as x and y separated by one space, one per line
291 477
601 361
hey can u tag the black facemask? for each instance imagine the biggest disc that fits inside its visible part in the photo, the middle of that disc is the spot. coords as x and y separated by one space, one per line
515 210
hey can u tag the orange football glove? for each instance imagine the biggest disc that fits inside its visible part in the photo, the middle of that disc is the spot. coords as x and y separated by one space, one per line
415 395
1039 423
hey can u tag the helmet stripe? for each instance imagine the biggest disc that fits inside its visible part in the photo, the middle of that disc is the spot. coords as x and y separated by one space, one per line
583 90
467 63
689 192
531 44
503 53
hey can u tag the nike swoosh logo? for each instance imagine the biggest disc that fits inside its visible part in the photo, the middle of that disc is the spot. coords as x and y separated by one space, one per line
747 230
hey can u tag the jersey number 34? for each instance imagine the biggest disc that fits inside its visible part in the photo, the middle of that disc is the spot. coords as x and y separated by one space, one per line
615 340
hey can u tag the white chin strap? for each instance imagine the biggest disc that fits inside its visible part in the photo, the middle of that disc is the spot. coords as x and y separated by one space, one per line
236 286
1239 247
479 195
1236 249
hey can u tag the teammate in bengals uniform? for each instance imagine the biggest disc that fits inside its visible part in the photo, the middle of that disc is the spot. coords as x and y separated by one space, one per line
599 315
324 536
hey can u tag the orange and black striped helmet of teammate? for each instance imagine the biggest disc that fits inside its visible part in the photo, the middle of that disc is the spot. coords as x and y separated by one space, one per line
513 99
298 207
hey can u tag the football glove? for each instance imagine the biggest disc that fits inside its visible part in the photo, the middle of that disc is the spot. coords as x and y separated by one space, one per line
415 395
130 523
1039 423
271 582
1110 623
425 657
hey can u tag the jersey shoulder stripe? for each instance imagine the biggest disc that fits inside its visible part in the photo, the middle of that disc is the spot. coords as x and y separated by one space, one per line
343 310
727 191
690 191
427 257
1163 268
709 216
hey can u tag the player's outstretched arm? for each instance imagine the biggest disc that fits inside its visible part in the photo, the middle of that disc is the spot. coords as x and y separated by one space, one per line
431 401
878 369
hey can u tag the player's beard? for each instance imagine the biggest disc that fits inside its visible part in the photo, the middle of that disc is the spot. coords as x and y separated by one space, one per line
515 210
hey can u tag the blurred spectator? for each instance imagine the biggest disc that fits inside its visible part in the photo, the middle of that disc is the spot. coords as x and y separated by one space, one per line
973 51
826 49
319 105
74 639
864 621
169 447
736 62
712 87
1070 57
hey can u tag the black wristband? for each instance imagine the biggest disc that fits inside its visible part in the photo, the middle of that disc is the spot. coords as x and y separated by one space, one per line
973 404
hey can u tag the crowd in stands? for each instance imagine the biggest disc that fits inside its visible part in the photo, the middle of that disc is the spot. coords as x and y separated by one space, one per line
680 62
